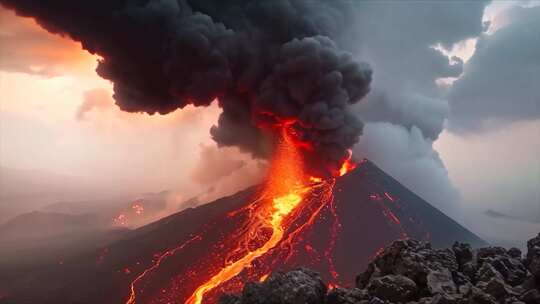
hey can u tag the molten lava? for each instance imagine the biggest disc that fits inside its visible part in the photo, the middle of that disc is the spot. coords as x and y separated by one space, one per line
271 225
286 189
347 166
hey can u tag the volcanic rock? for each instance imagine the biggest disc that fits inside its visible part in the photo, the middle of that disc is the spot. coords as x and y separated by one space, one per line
296 286
376 300
444 299
486 273
440 281
514 252
512 269
531 297
477 296
394 288
430 269
463 253
340 295
412 272
497 288
533 256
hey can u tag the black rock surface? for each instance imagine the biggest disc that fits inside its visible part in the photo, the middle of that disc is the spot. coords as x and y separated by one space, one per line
410 271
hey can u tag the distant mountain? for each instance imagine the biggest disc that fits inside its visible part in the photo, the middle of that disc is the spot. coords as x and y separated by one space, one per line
496 214
38 224
368 210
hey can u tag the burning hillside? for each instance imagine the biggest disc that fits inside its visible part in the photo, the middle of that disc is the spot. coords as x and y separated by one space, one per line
285 87
265 233
334 226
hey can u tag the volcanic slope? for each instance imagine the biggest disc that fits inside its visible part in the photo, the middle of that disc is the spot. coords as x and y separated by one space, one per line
164 262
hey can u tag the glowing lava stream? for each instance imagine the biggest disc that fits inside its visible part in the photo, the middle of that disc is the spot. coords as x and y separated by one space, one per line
271 223
286 186
283 206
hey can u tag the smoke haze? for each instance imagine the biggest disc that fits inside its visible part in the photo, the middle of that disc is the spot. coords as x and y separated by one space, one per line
267 63
441 101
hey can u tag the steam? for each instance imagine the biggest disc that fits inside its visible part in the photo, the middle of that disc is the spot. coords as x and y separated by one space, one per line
410 158
93 99
267 62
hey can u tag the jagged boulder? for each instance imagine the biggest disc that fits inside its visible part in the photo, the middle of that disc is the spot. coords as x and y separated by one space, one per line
533 256
394 288
411 272
445 299
514 253
296 286
441 282
477 296
463 253
531 296
497 289
489 252
487 272
512 269
415 260
340 295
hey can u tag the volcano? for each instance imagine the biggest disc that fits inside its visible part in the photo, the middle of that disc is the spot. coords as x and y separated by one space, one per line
343 224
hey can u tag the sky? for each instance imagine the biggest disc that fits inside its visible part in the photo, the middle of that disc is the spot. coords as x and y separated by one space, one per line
454 114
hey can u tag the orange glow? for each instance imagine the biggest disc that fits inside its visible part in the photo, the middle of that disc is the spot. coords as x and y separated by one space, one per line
131 299
314 179
332 286
121 220
348 165
138 208
285 187
271 229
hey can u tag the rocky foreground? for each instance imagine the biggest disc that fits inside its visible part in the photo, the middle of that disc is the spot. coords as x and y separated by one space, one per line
409 271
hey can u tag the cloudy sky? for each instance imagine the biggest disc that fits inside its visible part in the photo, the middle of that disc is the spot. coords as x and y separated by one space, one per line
454 114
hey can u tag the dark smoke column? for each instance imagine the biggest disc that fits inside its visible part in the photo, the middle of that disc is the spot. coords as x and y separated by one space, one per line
267 62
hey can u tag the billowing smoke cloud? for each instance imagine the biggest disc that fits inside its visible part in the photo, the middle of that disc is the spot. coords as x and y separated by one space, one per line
500 82
268 62
406 110
215 164
409 157
398 40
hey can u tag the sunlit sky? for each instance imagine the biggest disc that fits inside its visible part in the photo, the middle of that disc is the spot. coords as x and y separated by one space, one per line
40 128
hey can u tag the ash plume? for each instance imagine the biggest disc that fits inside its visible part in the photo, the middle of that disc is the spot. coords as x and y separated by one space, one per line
267 62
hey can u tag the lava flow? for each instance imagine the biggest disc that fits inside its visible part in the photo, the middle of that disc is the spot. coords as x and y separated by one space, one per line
287 190
288 204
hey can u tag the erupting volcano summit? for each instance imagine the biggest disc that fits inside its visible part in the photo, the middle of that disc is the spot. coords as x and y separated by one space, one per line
285 86
334 226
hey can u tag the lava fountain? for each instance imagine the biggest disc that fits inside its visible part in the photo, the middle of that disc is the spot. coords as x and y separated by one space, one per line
286 188
287 205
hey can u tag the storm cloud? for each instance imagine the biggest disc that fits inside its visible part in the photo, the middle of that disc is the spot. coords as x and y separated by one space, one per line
399 40
267 62
406 110
500 82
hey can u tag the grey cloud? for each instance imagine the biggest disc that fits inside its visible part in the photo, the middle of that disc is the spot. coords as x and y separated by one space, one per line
405 110
410 158
397 39
501 80
215 164
266 62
